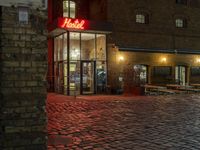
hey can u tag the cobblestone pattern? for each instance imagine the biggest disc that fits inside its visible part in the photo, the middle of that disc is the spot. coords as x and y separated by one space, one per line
124 123
23 58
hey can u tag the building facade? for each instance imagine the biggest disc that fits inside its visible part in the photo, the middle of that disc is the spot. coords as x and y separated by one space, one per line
96 45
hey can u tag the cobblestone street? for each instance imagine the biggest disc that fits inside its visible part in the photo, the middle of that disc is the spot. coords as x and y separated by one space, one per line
124 123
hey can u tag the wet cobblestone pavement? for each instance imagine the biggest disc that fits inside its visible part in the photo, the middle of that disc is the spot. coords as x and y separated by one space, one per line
124 123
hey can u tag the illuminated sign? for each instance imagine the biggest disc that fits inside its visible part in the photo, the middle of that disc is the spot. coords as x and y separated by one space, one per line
72 23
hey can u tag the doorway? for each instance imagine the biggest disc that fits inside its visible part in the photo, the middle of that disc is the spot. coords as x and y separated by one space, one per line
141 74
88 77
180 75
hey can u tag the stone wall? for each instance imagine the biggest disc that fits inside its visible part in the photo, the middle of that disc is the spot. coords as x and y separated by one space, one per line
23 60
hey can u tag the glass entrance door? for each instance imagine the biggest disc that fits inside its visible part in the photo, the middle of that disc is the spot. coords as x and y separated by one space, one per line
87 77
180 75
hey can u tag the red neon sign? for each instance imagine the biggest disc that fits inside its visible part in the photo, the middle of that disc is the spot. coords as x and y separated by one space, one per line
73 24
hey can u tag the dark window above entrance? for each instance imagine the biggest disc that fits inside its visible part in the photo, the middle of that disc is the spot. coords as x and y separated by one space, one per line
181 2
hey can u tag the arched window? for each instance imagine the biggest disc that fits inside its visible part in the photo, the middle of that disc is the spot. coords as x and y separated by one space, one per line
69 9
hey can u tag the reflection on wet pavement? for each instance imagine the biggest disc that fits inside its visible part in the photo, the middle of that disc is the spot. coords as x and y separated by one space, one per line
122 123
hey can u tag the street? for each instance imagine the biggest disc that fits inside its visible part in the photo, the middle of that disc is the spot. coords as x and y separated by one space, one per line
124 123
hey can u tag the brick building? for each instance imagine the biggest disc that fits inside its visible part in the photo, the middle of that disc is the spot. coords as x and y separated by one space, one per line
93 46
113 43
23 66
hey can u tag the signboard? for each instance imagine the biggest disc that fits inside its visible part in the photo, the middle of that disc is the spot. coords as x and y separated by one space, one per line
70 24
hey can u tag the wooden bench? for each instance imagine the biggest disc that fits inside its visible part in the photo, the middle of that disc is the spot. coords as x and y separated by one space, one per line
190 90
169 91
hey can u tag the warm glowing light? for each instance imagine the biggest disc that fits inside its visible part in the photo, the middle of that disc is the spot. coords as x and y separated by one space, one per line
73 23
198 60
121 58
164 59
75 54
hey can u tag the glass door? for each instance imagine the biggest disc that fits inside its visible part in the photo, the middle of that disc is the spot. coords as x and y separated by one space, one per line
180 75
141 74
87 77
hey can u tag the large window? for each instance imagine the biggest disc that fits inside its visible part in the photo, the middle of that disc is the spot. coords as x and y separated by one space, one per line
74 46
101 46
58 64
86 51
69 9
87 46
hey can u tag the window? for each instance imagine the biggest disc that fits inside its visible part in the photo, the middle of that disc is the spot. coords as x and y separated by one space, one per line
141 18
141 74
69 9
180 23
184 2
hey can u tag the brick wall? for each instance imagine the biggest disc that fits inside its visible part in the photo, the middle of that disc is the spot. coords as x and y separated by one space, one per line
160 31
23 92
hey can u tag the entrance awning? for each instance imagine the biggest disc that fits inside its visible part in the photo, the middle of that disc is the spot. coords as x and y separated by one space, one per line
159 50
61 25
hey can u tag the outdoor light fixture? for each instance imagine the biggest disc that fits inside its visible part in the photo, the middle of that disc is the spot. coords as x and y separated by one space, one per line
164 59
121 58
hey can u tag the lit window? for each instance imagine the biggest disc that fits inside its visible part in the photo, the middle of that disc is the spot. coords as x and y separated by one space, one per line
69 9
141 18
180 23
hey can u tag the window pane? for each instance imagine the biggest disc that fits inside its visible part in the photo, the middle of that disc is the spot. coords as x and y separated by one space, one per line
101 76
58 49
101 47
65 46
69 9
55 49
179 23
74 82
65 9
74 46
72 9
140 18
87 46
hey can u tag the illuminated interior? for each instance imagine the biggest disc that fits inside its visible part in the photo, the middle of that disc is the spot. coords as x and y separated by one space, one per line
80 63
69 9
